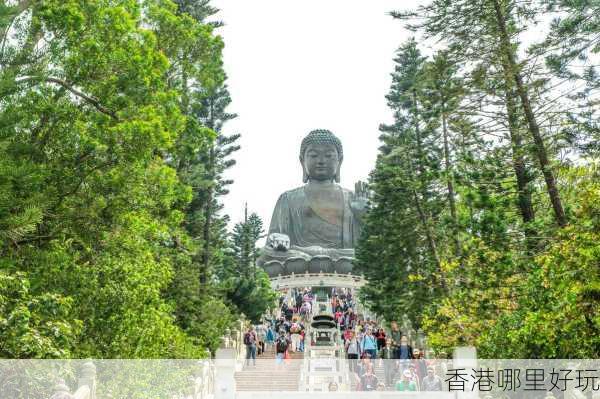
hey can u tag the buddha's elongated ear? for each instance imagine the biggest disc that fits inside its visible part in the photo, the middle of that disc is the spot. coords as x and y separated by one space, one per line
304 171
337 172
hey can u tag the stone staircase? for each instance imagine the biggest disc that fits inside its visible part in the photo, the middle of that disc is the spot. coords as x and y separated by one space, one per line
267 375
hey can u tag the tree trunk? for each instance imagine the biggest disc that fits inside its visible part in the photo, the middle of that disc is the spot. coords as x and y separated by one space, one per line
450 181
534 129
420 208
204 272
23 5
205 266
430 238
524 200
420 156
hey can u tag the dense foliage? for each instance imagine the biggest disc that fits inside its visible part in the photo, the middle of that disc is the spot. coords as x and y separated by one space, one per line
111 163
248 285
483 227
485 212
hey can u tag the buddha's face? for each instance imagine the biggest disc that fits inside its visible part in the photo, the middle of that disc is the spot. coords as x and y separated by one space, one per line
321 162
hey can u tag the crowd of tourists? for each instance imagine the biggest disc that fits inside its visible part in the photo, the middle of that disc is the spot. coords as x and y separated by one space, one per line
414 374
367 344
284 332
404 367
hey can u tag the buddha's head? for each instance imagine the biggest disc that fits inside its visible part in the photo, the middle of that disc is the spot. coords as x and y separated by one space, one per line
321 156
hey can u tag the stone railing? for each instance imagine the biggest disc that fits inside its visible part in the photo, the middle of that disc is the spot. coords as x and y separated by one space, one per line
204 382
317 279
201 384
235 340
86 385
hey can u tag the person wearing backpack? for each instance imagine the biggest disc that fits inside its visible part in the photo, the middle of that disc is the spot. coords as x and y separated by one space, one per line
369 344
281 347
250 341
295 330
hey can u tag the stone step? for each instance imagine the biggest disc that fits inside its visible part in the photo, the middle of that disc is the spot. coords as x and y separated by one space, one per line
274 374
267 375
268 388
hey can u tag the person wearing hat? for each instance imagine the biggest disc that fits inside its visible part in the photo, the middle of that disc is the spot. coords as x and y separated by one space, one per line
406 383
431 382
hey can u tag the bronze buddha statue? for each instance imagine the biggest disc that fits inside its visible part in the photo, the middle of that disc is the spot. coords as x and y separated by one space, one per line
315 226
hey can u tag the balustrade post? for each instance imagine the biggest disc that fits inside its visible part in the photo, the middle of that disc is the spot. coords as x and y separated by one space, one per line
88 377
61 391
226 339
240 341
466 357
203 382
225 362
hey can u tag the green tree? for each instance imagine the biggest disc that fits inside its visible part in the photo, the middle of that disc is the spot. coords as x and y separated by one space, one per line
201 165
557 316
477 29
217 159
442 93
245 237
94 101
458 165
247 287
571 52
393 254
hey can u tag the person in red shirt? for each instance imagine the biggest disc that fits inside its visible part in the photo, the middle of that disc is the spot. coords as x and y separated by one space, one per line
381 338
338 317
347 335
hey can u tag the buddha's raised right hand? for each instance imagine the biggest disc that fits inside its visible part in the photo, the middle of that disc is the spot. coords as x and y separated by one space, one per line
278 241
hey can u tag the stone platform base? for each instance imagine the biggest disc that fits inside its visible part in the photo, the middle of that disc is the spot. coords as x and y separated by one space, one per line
318 264
317 280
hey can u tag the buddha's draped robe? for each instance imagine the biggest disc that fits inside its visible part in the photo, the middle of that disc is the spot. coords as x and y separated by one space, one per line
310 230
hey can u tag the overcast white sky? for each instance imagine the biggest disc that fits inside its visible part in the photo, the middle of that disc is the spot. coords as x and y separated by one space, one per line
295 66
